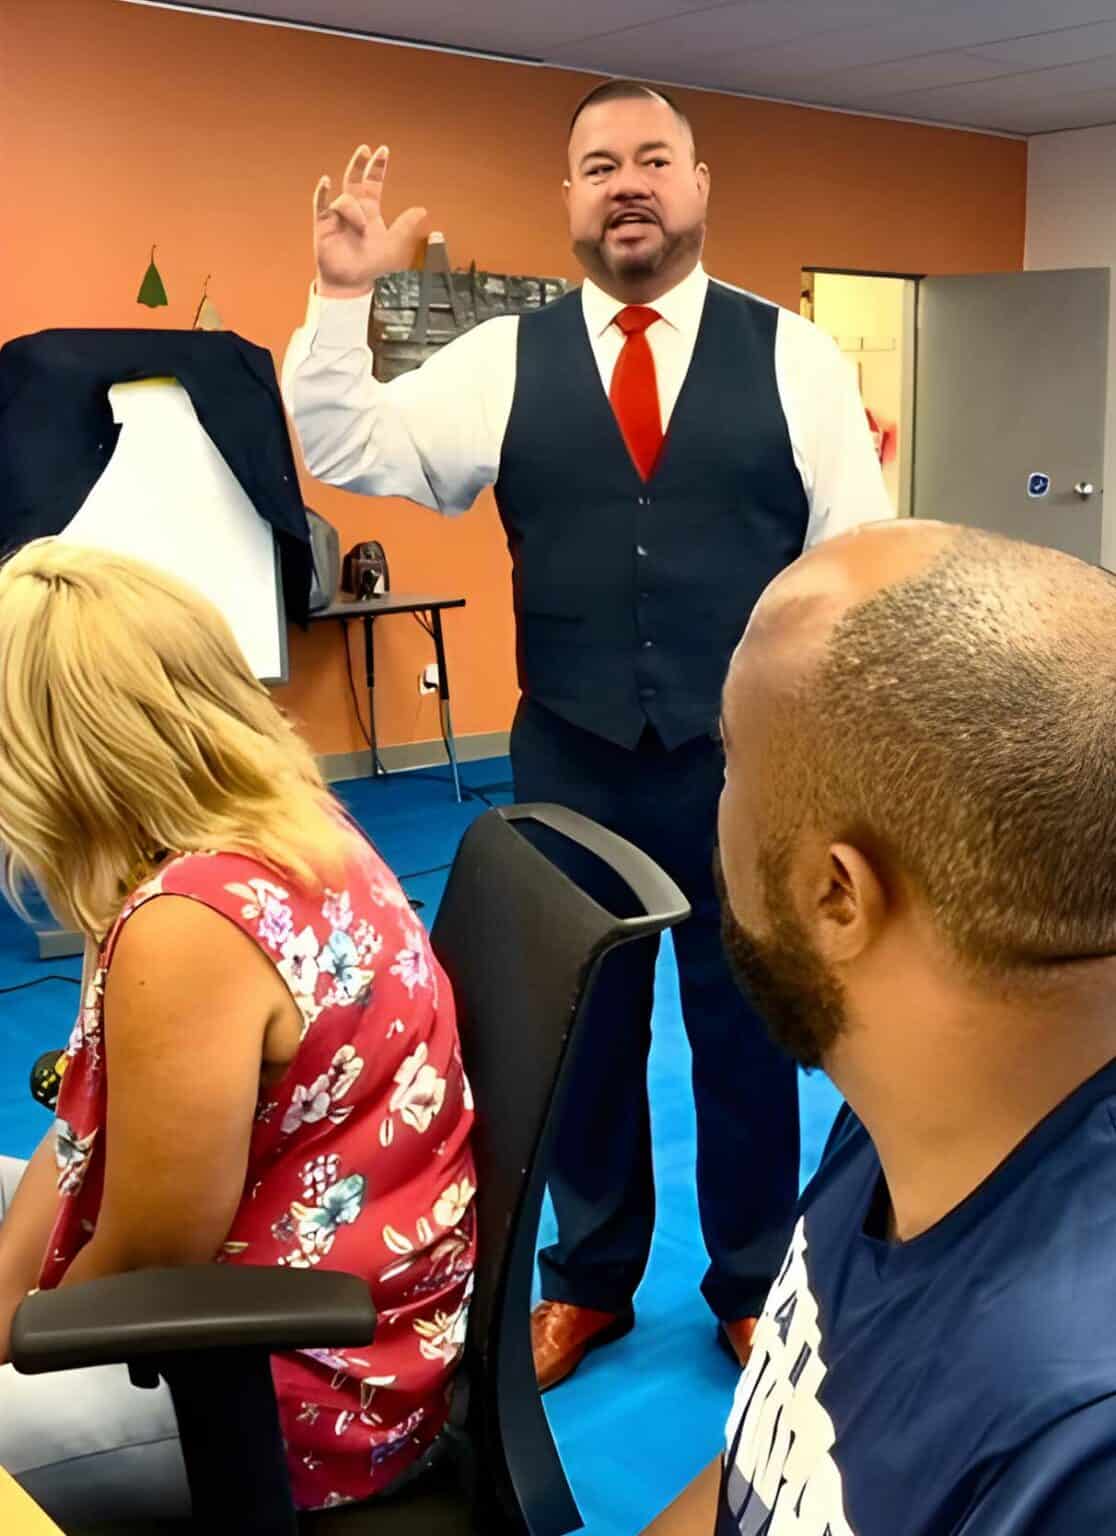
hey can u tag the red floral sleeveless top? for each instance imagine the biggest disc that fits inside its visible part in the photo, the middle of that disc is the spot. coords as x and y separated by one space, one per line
359 1158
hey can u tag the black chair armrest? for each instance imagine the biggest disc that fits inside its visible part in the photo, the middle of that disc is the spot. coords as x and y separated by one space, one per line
161 1312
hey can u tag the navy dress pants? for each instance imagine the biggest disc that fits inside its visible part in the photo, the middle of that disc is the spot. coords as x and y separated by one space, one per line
745 1090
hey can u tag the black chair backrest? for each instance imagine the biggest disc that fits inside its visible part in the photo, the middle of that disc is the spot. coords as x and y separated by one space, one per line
521 943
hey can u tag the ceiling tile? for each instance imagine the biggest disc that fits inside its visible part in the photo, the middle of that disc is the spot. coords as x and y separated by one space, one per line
742 25
971 62
1087 112
823 53
952 25
1068 45
1066 80
969 103
923 71
1053 115
996 19
527 30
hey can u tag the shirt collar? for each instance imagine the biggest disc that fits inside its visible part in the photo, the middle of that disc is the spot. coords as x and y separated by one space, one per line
680 306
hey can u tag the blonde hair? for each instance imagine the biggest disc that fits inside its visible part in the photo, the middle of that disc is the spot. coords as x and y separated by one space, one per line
132 727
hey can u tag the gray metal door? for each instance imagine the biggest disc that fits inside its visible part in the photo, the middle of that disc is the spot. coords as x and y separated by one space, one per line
1011 377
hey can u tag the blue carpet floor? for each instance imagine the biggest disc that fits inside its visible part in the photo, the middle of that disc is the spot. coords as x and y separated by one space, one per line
640 1419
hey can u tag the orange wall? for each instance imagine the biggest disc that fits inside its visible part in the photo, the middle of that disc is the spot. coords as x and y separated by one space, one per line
121 126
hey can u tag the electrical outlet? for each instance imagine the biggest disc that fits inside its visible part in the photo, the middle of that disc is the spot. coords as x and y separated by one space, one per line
428 679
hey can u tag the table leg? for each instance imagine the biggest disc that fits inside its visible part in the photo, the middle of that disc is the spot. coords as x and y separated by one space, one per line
444 700
370 680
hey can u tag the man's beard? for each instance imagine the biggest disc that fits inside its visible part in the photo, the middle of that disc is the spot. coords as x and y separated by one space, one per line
801 1001
594 257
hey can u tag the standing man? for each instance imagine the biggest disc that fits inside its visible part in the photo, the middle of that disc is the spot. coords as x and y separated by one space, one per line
661 446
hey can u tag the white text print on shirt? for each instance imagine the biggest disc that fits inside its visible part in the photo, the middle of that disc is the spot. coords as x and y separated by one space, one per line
781 1477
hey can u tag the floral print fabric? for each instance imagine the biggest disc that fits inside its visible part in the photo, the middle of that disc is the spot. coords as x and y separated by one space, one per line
359 1158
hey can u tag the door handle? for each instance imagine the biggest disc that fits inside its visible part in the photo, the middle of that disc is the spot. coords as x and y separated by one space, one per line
1084 489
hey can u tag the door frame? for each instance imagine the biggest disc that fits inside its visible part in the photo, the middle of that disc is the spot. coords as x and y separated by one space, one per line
908 355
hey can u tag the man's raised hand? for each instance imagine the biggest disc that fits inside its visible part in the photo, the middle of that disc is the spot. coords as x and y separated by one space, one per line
353 245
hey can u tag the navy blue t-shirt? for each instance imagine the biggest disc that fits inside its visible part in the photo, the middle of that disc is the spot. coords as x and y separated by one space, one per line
961 1384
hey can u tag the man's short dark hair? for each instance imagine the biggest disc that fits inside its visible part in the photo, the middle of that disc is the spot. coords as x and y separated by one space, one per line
628 90
961 731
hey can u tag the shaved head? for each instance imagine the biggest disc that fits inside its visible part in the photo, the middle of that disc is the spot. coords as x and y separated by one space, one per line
805 603
948 698
943 701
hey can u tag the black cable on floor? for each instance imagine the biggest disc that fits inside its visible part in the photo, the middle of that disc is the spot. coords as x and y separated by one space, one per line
22 986
482 791
479 792
417 874
415 902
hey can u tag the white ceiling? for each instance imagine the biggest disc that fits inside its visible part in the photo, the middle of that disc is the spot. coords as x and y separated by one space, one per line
1017 66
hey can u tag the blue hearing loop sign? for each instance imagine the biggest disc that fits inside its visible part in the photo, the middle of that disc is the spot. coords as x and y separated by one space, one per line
1038 485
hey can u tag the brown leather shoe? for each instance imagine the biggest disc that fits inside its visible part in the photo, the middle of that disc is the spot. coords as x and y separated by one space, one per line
736 1338
562 1335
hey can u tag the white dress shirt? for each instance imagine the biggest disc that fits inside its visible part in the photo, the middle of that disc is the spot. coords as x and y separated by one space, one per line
434 435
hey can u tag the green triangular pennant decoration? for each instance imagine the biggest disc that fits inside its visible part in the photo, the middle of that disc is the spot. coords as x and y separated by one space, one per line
152 293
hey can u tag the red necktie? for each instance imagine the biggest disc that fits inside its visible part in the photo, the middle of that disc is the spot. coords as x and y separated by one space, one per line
634 394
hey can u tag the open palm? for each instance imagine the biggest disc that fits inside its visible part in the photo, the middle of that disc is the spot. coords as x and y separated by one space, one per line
353 244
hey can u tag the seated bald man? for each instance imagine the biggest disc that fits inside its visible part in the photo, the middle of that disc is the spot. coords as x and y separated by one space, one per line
916 833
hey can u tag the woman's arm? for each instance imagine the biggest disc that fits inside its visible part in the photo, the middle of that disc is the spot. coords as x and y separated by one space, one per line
189 1002
30 1216
25 1232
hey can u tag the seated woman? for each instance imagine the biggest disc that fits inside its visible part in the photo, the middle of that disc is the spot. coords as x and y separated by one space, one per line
265 1068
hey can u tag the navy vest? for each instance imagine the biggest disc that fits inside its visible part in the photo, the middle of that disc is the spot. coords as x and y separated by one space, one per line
630 597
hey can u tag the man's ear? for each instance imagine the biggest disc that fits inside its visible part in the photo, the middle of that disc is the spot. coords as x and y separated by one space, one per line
701 170
566 193
849 905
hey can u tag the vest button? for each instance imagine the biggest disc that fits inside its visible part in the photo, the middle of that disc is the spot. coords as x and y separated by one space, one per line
641 552
647 644
645 597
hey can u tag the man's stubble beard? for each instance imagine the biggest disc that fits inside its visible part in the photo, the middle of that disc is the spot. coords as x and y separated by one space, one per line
800 1000
673 250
